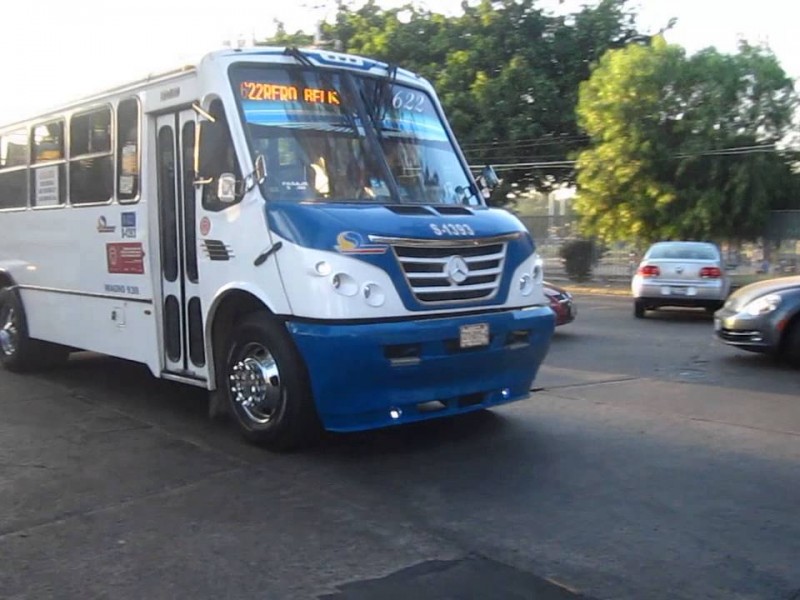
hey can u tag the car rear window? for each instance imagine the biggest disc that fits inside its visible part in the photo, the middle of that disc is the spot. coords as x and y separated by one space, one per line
685 251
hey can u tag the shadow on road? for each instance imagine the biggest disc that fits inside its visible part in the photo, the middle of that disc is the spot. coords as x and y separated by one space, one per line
685 315
130 388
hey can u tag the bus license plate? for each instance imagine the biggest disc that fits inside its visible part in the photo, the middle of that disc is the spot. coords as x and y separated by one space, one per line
472 336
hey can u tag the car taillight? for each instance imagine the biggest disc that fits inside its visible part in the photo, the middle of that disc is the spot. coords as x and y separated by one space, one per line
649 271
710 273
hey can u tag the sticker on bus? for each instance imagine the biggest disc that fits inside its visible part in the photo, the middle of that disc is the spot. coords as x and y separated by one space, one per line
125 258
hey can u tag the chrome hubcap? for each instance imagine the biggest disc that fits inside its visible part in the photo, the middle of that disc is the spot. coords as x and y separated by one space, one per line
9 334
255 384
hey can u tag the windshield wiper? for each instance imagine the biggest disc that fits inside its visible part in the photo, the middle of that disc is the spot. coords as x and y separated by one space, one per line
298 55
380 97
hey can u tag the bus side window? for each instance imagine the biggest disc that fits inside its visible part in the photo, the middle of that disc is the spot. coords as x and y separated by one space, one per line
91 162
48 171
13 169
228 162
128 150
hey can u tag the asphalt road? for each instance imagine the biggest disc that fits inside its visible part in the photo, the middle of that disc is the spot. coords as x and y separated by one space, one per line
655 463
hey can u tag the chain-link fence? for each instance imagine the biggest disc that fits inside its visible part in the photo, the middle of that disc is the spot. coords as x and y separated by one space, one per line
611 262
778 252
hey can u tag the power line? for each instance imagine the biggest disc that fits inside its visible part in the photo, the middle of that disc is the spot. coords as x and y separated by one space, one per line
545 140
568 164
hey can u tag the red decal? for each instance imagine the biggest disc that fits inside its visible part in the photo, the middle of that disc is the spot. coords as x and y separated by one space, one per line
205 226
125 257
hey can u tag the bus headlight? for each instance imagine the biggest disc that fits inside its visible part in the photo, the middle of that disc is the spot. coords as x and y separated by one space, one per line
526 284
373 294
344 284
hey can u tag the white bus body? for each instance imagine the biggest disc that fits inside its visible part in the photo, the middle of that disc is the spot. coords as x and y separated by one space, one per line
180 222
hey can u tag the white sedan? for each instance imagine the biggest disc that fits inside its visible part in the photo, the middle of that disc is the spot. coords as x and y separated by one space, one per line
680 274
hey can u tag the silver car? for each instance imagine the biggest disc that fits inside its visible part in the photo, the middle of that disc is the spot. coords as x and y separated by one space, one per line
680 274
763 317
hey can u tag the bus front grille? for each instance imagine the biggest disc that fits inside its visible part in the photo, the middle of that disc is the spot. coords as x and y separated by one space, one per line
452 271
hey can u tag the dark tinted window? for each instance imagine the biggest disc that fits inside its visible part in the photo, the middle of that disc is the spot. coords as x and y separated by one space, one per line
166 203
91 167
128 150
90 133
14 149
227 161
13 175
189 211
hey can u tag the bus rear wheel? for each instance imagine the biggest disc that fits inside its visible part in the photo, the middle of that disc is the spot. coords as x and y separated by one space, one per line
18 352
267 385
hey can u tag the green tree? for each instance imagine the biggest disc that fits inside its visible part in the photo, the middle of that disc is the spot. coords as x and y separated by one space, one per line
684 147
507 72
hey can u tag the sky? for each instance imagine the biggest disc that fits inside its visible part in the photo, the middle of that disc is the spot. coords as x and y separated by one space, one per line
55 51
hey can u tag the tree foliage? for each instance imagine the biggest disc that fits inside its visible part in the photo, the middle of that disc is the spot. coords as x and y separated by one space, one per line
507 72
684 147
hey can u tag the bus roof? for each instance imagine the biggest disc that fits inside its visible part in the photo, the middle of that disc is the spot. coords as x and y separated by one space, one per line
316 56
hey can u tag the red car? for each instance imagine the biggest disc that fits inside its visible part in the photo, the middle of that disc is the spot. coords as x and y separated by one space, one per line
561 303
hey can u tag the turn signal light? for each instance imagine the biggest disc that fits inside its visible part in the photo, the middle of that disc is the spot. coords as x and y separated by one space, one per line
710 273
649 271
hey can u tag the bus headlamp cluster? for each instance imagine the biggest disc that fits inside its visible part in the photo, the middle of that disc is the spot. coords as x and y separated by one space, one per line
346 285
528 281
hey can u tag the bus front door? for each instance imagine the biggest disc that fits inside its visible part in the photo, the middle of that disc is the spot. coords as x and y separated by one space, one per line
182 322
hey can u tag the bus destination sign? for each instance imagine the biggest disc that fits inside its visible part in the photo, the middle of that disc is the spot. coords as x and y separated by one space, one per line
264 91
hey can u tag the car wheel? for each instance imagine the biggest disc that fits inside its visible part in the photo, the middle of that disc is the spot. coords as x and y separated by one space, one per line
638 308
18 352
791 346
268 389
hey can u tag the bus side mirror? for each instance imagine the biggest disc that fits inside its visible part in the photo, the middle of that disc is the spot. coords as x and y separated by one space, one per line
210 150
489 178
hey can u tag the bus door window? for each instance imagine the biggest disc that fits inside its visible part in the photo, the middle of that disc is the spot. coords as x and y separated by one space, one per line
128 150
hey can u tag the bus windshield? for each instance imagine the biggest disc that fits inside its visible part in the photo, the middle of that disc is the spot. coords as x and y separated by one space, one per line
310 127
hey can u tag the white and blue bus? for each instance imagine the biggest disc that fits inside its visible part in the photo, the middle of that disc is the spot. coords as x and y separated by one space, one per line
295 231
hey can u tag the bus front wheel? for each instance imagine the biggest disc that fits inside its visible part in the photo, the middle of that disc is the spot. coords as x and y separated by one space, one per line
18 352
267 385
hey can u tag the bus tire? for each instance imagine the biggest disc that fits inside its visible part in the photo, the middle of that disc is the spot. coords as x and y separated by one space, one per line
20 353
267 385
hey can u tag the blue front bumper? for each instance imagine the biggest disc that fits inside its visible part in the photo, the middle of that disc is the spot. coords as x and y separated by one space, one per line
377 374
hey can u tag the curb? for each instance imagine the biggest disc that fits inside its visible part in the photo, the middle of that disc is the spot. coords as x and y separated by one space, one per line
598 291
593 289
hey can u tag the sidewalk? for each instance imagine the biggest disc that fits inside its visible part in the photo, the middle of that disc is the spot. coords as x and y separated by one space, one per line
598 288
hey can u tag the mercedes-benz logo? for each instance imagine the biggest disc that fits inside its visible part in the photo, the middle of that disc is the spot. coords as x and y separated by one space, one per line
456 270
